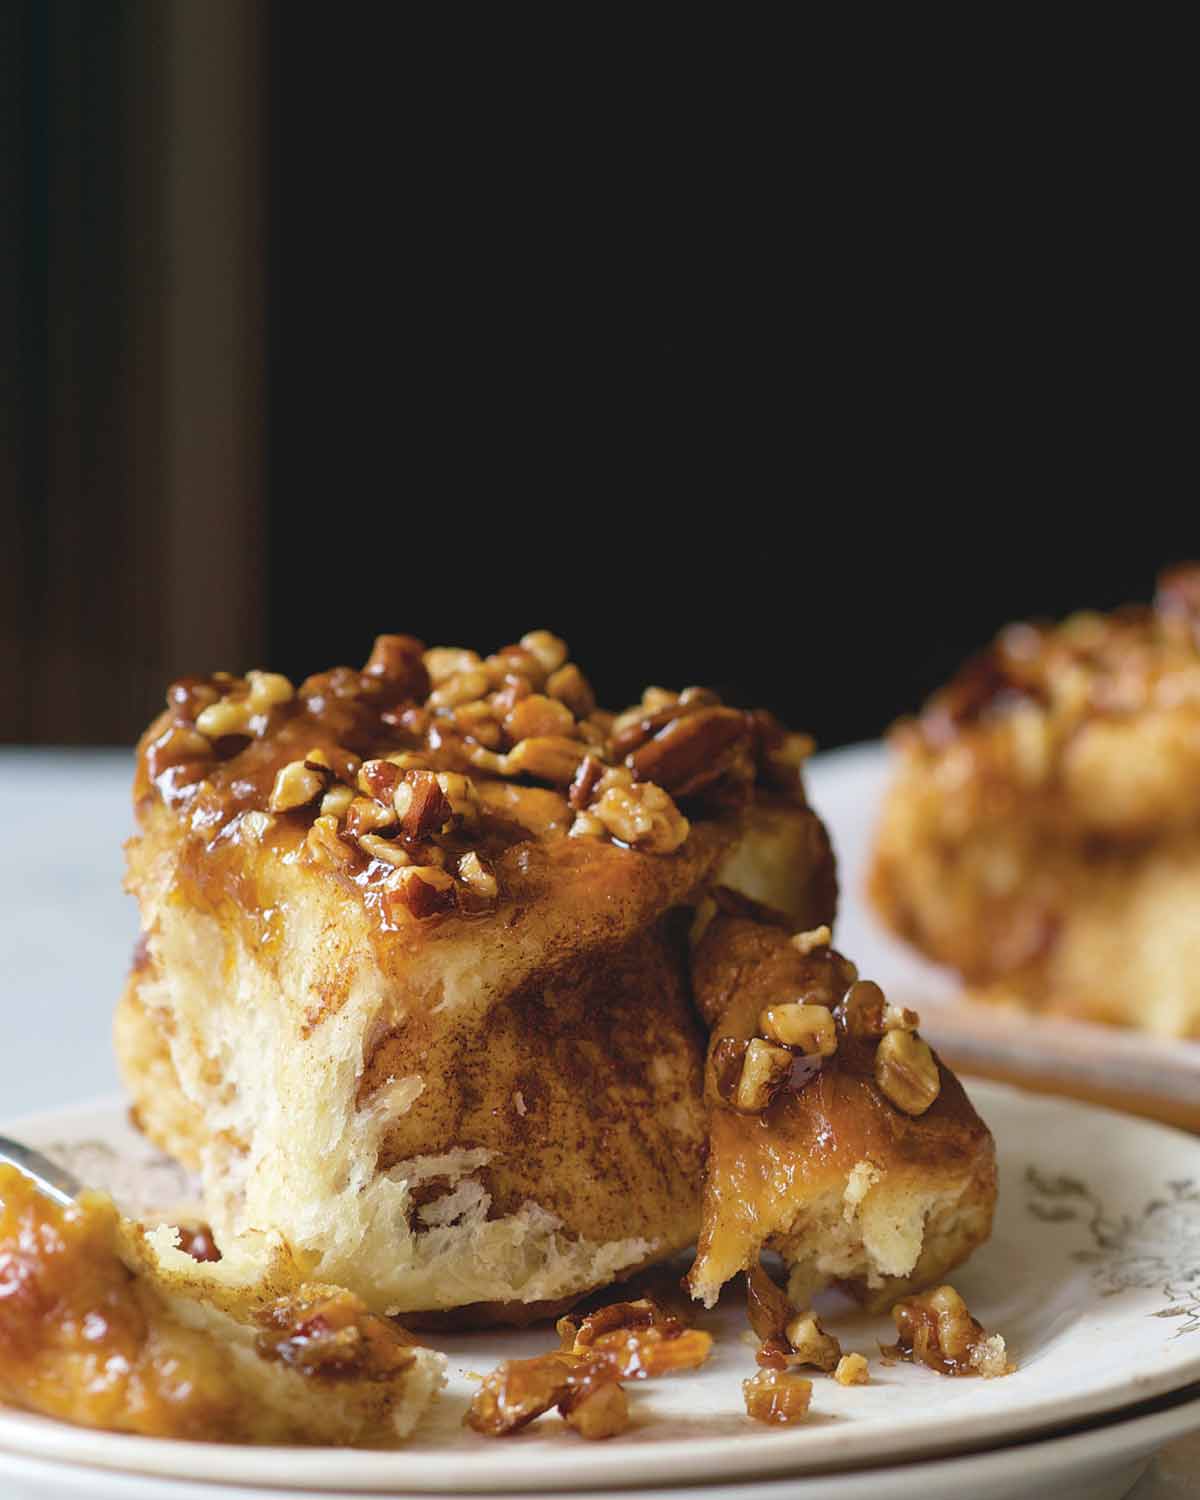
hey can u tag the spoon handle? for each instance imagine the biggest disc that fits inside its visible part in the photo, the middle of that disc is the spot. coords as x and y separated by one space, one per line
52 1180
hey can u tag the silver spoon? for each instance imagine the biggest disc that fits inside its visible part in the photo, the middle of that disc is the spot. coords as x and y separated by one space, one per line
47 1176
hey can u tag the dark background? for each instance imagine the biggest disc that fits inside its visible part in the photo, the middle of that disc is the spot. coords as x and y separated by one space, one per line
779 368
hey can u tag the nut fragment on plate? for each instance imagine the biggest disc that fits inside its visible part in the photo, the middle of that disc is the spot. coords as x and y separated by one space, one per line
788 1337
936 1329
777 1397
622 1341
852 1369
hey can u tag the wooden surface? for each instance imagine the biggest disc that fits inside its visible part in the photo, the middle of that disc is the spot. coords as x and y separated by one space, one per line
132 448
1125 1070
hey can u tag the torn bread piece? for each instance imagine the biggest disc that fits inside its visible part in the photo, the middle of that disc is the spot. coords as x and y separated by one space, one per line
837 1138
105 1325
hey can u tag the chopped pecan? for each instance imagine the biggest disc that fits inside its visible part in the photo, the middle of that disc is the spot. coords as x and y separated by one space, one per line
937 1329
174 747
297 784
422 891
550 651
366 815
596 1409
571 687
645 1353
765 1068
862 1010
766 1305
642 816
809 1342
809 1028
852 1370
334 1337
378 779
591 768
907 1072
188 695
446 661
478 877
397 660
808 942
462 687
643 1313
777 1396
552 758
690 752
325 844
385 850
421 805
537 716
517 1391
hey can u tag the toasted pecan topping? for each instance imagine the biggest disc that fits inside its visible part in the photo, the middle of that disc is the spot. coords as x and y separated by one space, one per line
392 754
862 1010
421 805
693 750
296 785
907 1072
765 1068
808 1028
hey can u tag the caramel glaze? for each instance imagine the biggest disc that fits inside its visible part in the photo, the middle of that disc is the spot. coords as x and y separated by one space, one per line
78 1334
84 1339
351 716
763 1169
830 1115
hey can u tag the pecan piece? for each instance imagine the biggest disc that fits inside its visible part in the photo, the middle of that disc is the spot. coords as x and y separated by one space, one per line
421 805
422 890
936 1328
589 773
398 661
692 751
517 1391
777 1396
596 1410
766 1305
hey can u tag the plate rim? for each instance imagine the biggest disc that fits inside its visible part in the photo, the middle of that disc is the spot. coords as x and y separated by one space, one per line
527 1468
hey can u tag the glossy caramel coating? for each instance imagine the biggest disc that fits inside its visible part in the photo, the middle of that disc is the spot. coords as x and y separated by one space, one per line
766 1170
91 1333
474 1110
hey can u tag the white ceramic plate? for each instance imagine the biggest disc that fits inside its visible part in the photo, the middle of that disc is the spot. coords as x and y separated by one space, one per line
1153 1075
1094 1463
1092 1274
